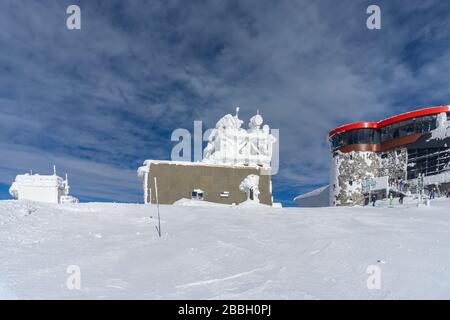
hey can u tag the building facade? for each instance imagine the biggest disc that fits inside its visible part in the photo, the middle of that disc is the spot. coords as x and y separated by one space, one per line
401 148
206 182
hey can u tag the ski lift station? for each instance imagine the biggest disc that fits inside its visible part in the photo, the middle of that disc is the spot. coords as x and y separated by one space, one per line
43 188
399 155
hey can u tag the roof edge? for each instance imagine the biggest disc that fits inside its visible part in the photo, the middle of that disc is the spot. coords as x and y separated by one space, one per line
391 120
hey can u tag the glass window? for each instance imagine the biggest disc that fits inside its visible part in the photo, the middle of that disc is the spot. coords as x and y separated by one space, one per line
410 129
386 133
396 133
197 194
377 136
358 136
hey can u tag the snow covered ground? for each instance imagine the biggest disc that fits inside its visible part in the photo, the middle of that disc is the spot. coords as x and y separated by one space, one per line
223 253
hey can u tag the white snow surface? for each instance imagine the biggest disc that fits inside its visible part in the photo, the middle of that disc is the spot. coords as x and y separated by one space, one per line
198 203
223 252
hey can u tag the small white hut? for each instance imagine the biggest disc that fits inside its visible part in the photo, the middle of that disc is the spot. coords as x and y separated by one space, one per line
43 188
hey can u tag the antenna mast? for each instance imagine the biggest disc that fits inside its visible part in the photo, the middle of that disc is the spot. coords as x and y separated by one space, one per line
67 185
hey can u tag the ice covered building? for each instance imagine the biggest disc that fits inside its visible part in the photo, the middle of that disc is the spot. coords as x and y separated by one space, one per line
44 188
230 157
372 157
230 144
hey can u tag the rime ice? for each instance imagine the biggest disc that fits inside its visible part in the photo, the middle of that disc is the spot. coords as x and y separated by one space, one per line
44 188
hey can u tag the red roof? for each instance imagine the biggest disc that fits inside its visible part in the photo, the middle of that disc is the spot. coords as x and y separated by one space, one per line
391 120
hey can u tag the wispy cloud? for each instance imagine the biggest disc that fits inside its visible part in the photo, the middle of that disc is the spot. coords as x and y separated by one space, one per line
101 100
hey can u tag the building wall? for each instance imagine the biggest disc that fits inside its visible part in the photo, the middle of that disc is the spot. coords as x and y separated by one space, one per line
394 163
350 170
177 181
43 194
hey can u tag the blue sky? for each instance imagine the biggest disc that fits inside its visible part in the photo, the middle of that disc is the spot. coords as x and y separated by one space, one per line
99 101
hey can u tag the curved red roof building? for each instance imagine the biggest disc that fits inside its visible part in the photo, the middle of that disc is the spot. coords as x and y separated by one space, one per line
400 148
386 134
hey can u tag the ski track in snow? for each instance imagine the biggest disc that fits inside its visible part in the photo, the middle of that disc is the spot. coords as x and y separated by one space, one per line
223 253
205 282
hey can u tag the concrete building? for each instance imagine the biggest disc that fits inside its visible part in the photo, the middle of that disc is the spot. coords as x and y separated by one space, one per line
373 157
236 167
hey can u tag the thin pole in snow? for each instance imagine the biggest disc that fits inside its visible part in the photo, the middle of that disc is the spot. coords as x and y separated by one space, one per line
158 228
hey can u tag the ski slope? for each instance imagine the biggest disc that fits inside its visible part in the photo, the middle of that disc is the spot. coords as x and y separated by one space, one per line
223 252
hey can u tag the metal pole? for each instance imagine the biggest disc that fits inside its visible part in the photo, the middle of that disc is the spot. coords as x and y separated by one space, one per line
157 205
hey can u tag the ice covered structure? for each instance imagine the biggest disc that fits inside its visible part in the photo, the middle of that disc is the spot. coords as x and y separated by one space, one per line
231 155
230 144
43 188
250 185
442 130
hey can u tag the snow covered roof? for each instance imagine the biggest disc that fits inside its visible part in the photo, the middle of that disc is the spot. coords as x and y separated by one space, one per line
38 180
147 163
